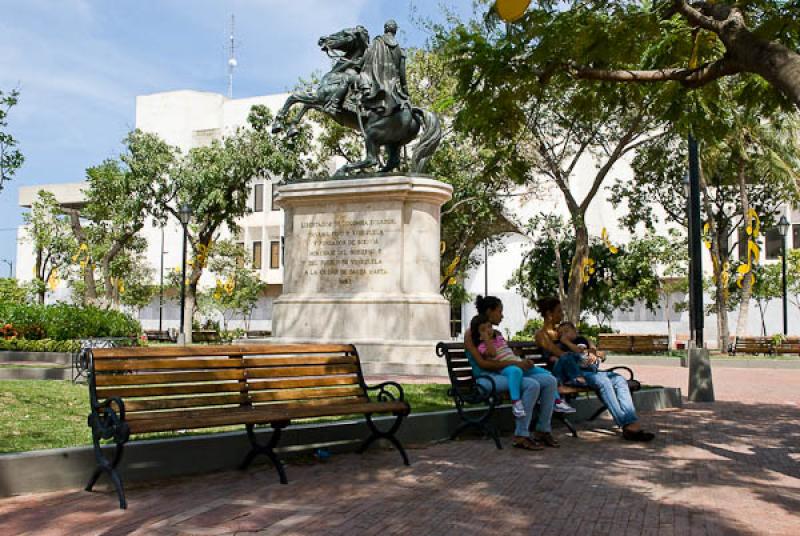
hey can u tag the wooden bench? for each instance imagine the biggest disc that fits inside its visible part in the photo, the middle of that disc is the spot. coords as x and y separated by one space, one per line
789 345
160 336
633 344
466 391
752 345
142 390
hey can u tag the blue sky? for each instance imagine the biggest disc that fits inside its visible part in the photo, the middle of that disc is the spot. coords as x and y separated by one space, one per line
79 65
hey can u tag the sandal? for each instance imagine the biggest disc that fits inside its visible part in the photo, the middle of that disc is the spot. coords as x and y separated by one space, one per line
547 438
526 443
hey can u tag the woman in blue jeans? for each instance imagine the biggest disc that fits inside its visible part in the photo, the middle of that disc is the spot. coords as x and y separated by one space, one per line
612 387
541 387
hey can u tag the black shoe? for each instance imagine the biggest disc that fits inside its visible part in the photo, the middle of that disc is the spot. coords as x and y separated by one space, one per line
638 435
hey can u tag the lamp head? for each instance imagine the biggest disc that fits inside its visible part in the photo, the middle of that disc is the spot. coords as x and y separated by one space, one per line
185 213
783 226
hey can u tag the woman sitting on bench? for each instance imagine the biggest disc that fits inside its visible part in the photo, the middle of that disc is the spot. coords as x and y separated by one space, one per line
612 387
542 387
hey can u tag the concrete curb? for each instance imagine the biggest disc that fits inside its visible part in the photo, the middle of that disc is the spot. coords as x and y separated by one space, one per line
50 470
715 362
35 373
60 358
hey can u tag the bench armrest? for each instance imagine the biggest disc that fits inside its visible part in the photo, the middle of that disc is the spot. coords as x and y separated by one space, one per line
107 421
628 370
386 395
477 393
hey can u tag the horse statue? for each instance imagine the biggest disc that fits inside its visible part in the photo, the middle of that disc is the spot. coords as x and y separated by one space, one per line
365 90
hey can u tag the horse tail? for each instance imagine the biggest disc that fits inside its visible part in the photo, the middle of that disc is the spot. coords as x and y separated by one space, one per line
428 142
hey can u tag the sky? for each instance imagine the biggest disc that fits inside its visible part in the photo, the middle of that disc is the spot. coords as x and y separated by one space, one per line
79 65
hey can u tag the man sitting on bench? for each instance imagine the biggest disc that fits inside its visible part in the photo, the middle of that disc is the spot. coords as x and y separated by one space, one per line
611 387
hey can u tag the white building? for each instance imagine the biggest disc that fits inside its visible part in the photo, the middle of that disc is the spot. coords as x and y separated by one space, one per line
190 119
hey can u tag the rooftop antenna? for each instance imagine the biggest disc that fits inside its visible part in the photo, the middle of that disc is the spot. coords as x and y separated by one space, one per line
232 63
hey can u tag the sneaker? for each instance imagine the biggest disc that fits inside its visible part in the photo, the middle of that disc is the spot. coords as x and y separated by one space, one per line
562 407
518 409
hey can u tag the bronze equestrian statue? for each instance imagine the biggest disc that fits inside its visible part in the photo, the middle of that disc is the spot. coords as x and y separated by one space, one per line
366 90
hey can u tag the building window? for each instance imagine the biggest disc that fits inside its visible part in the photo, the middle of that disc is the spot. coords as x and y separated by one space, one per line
257 255
796 236
272 196
774 243
455 321
274 254
258 197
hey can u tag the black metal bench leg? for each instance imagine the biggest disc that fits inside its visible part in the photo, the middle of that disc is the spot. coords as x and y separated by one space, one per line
599 411
267 450
564 419
103 465
389 435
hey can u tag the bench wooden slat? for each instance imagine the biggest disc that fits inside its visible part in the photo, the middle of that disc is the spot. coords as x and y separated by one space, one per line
166 377
254 362
345 379
166 390
258 415
290 372
219 350
303 394
167 364
133 406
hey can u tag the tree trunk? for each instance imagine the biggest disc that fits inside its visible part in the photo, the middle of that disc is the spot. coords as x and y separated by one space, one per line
572 305
668 310
747 284
90 296
188 315
720 245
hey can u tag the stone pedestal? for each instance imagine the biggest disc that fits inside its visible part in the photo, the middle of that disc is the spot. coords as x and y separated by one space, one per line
361 266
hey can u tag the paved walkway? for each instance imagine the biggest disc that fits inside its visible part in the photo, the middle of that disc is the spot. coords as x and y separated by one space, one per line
732 467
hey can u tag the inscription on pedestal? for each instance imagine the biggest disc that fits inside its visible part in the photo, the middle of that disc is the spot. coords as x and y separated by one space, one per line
345 251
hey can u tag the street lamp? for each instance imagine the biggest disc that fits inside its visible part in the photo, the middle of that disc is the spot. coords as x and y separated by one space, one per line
10 267
783 228
184 214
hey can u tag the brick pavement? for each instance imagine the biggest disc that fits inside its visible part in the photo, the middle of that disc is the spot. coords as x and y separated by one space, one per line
732 467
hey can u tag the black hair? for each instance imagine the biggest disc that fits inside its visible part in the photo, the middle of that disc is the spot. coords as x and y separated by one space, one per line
567 324
474 326
484 303
546 305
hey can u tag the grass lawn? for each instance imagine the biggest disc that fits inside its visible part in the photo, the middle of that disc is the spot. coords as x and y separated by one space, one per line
43 414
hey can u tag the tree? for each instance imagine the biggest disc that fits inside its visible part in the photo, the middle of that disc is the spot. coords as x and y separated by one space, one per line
766 287
746 163
614 279
53 244
11 159
214 180
237 288
548 131
119 197
693 43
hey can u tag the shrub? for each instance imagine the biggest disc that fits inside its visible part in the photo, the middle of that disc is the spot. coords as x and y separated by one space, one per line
587 330
63 322
11 292
43 345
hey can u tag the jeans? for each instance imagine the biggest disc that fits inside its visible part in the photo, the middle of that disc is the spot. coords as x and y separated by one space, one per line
568 368
533 386
614 391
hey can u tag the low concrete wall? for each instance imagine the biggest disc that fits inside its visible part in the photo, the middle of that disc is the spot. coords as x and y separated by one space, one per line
60 358
49 470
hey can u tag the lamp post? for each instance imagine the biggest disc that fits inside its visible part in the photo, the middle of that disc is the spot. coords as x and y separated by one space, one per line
783 228
185 214
161 285
10 267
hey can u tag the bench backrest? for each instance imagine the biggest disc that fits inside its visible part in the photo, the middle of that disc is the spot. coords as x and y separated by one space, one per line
174 381
460 368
